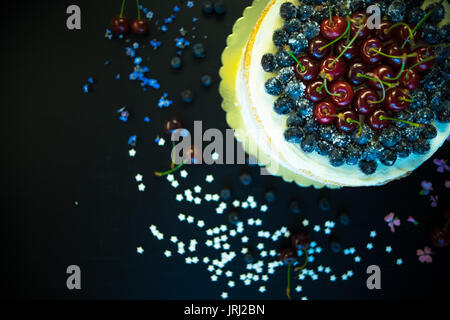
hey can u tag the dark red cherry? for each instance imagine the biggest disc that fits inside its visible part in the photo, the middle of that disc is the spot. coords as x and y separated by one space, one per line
314 48
394 100
311 69
353 72
140 26
422 54
376 122
351 53
384 73
364 101
394 49
333 29
359 19
120 24
366 52
342 122
300 240
288 256
313 93
344 91
410 79
171 125
332 70
402 33
439 237
325 112
382 33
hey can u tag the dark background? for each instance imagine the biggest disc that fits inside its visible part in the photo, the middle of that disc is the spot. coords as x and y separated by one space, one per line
61 145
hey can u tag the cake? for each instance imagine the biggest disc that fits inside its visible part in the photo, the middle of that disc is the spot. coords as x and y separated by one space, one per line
327 101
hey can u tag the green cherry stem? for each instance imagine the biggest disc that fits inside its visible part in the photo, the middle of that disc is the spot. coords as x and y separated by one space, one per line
418 25
387 84
382 83
121 10
404 121
347 46
339 38
447 224
393 57
331 16
139 11
349 120
296 60
405 99
423 61
161 174
411 34
326 89
305 263
401 70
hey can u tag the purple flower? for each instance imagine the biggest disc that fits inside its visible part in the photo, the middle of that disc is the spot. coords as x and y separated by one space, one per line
426 187
434 200
441 165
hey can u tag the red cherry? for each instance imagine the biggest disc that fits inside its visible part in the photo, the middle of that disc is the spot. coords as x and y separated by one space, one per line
351 53
393 100
288 255
311 69
333 29
120 24
422 54
345 91
332 72
402 33
353 72
325 112
410 79
369 56
364 101
384 73
382 33
375 122
314 48
343 124
171 125
394 49
359 19
300 240
140 26
312 91
439 237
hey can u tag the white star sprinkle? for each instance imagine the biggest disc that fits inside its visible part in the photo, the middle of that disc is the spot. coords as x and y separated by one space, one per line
209 178
140 250
138 177
141 187
132 152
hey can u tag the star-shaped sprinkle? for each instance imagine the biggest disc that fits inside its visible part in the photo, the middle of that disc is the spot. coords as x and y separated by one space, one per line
262 289
132 153
174 239
140 250
357 259
141 187
200 223
181 217
316 228
399 262
138 177
170 177
168 253
197 189
369 246
224 295
209 178
183 173
373 234
190 219
298 288
332 278
305 222
264 208
179 197
388 249
175 184
231 284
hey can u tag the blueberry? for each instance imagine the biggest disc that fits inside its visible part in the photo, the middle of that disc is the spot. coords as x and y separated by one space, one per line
294 206
280 37
353 154
388 157
403 149
445 32
294 135
434 80
372 150
206 80
438 12
420 99
292 25
382 5
245 178
437 101
310 29
340 139
288 11
305 108
311 125
268 62
336 157
368 167
358 5
430 33
344 218
389 137
274 86
324 204
175 62
326 132
320 14
207 7
298 43
187 96
415 15
294 120
219 7
335 246
411 133
305 12
295 89
285 75
443 115
225 193
396 11
233 217
283 59
309 142
421 147
364 137
199 50
424 116
323 147
283 105
270 195
429 132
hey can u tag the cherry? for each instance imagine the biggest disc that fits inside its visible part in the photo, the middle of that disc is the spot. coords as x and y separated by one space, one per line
394 49
331 69
384 73
314 48
376 120
440 237
171 125
351 53
344 91
382 32
313 93
353 71
140 26
367 54
343 123
402 34
300 240
334 28
364 101
120 25
423 53
288 256
359 19
410 79
395 99
310 71
325 112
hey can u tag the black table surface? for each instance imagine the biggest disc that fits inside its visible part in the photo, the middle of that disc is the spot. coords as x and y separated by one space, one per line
69 193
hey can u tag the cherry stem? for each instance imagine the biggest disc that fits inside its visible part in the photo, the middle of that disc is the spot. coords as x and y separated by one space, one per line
338 38
401 69
382 89
288 288
347 46
331 16
399 120
326 89
447 224
405 99
304 264
121 10
360 75
161 174
393 57
411 34
423 61
139 11
418 25
296 60
349 120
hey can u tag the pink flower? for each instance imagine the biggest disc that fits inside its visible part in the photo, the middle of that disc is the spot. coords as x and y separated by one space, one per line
441 165
392 221
425 255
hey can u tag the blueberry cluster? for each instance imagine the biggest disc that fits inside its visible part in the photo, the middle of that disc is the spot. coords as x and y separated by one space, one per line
364 148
